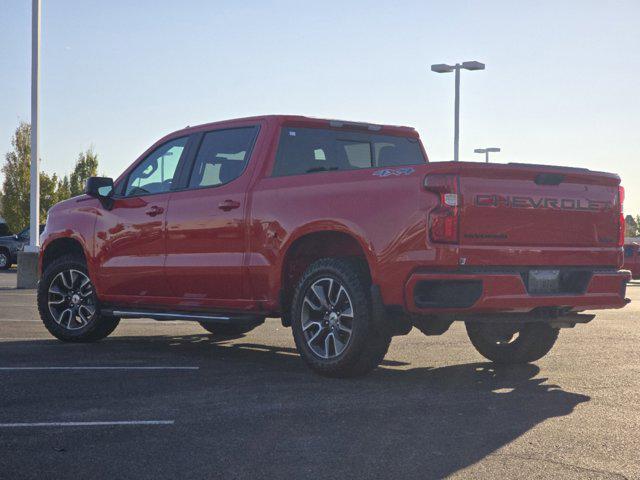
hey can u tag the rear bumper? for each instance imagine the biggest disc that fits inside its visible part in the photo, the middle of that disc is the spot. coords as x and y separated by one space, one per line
438 292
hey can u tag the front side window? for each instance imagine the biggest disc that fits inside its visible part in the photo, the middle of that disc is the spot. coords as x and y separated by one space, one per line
222 156
628 251
309 150
155 173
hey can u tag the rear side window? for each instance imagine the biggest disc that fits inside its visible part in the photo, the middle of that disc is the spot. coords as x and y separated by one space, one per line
309 150
222 156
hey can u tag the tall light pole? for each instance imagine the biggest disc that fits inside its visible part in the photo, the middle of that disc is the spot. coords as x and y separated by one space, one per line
444 68
34 210
486 152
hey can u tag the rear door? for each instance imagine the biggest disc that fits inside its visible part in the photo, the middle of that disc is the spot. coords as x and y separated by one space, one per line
206 224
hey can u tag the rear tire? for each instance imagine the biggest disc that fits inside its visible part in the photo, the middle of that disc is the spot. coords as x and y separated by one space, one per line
499 343
228 330
332 321
65 302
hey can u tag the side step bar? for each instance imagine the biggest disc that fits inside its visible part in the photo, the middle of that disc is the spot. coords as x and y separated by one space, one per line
195 317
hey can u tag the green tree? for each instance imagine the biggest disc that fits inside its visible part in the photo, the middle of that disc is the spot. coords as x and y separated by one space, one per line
86 166
15 208
48 193
17 177
631 226
64 188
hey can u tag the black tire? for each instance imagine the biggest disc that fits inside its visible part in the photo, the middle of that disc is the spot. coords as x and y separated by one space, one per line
533 342
5 260
97 327
228 330
366 347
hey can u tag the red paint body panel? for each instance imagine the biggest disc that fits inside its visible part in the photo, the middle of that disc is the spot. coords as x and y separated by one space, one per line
503 292
196 256
130 248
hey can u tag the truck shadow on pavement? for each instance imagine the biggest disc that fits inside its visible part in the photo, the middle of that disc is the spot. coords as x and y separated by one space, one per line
263 411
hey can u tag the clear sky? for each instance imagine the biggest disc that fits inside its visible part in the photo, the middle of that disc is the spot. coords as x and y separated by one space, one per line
561 84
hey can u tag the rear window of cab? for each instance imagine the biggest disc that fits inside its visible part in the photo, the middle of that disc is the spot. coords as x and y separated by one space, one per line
310 150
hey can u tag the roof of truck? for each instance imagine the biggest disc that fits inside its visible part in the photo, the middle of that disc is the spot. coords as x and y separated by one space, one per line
302 121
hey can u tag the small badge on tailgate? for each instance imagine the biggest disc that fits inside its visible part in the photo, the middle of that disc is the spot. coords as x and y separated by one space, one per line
544 281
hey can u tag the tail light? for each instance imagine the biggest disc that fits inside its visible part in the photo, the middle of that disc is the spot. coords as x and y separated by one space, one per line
443 220
621 228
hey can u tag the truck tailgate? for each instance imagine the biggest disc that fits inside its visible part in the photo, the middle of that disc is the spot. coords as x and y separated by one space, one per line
538 206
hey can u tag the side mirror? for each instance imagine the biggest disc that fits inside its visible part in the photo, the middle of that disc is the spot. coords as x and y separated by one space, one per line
100 188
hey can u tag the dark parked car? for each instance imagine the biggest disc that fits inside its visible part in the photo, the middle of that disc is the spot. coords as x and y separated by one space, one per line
11 245
632 259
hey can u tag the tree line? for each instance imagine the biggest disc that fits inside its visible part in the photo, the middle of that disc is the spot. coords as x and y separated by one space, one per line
15 192
632 226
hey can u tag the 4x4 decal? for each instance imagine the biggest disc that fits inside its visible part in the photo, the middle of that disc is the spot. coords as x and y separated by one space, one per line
388 172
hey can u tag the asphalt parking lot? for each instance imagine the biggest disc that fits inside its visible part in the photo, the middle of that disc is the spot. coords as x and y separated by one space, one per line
168 400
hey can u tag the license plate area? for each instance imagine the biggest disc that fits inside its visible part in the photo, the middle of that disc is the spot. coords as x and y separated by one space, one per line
543 282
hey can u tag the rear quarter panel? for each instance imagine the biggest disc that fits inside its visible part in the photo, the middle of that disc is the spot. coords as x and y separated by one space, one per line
385 214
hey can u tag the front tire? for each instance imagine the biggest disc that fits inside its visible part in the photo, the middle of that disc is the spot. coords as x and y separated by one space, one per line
332 322
512 344
68 304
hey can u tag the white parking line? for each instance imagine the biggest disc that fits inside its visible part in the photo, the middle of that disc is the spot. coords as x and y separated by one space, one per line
99 368
53 341
86 424
18 320
128 321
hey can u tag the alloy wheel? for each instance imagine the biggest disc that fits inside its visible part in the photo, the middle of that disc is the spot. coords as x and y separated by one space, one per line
4 260
327 317
71 299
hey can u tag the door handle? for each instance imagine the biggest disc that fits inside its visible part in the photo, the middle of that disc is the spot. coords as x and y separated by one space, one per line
228 205
155 210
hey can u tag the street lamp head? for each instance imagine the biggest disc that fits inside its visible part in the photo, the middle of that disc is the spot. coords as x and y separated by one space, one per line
493 149
442 68
480 150
473 65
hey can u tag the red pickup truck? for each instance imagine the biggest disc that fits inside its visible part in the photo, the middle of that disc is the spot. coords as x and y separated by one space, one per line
345 231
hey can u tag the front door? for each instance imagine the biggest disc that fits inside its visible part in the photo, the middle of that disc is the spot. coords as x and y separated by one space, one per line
131 236
206 225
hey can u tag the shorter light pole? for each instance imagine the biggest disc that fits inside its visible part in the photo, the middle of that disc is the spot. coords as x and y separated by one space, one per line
486 152
444 68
